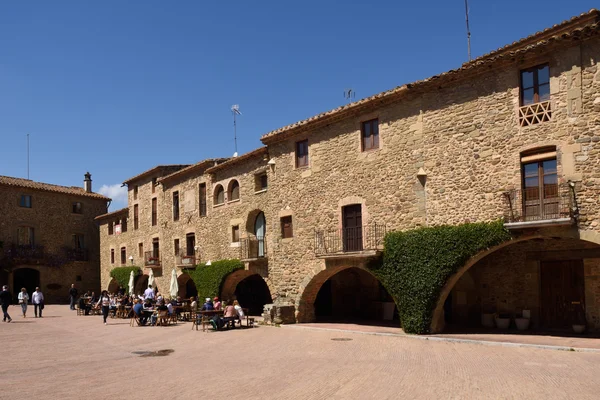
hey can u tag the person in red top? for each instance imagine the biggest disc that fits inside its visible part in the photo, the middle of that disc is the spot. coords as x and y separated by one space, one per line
217 304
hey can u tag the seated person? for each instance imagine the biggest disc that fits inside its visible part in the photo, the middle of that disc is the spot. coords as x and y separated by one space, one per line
161 307
83 306
94 299
176 302
238 309
208 305
148 305
230 316
217 304
170 308
138 310
193 304
112 305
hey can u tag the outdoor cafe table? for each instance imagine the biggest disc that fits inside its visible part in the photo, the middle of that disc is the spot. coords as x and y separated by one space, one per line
204 316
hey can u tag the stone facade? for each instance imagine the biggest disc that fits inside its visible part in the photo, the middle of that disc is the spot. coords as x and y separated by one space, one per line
52 263
449 148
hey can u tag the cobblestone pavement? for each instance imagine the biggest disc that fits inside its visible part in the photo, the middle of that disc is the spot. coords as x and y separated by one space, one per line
63 356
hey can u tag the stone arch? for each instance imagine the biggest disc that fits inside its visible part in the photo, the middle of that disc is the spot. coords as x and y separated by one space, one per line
219 195
141 284
233 190
251 220
113 286
28 278
231 282
187 286
438 322
313 283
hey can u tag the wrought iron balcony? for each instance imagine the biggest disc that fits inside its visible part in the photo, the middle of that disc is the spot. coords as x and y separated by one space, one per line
551 205
151 259
76 254
368 238
183 261
25 252
252 248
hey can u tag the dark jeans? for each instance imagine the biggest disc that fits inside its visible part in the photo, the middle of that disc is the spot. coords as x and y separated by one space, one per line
5 312
72 303
37 307
105 312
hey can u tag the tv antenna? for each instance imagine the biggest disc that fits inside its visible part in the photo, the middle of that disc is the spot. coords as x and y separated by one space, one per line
468 29
349 94
28 156
235 110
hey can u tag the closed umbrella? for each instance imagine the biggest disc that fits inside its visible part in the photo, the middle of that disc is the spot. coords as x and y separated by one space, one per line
174 285
131 283
151 277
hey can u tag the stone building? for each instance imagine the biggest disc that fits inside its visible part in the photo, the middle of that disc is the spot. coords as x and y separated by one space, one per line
513 134
48 237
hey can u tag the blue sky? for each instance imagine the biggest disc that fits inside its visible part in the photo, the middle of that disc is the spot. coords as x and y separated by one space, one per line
116 87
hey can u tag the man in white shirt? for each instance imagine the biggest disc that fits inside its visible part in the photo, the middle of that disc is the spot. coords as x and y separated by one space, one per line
149 293
37 298
170 307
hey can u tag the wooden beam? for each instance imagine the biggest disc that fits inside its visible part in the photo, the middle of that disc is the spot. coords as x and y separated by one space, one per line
559 255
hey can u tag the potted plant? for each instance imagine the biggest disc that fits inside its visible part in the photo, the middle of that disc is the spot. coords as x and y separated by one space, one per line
578 313
522 320
487 317
503 320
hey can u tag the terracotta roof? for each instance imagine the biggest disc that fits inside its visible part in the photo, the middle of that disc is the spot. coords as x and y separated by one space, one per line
158 168
236 160
113 213
574 28
194 167
29 184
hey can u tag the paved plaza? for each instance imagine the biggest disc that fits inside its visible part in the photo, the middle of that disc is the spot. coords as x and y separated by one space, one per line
63 356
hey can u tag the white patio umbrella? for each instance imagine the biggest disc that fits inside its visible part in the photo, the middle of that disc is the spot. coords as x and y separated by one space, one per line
151 277
174 284
131 283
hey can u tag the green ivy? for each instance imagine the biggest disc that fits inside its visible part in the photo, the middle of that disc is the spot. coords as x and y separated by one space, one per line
122 274
418 263
209 278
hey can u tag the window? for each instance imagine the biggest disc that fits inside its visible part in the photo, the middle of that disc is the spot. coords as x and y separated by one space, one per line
370 134
190 244
286 227
25 236
135 192
219 195
77 240
123 256
124 225
112 256
153 185
77 208
203 199
78 278
535 85
302 154
176 246
25 201
540 185
234 191
235 234
140 250
110 228
136 217
154 212
175 206
260 182
155 248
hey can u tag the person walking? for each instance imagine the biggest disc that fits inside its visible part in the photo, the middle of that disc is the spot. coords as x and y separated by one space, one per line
23 300
104 301
73 296
6 299
37 298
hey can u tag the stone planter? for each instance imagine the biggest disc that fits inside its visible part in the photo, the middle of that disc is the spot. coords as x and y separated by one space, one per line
578 328
487 320
522 323
502 323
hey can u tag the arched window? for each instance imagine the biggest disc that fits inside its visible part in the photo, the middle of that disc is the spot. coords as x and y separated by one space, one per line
234 190
219 195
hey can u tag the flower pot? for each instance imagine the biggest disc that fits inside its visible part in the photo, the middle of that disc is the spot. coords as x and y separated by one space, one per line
487 320
578 328
502 323
522 323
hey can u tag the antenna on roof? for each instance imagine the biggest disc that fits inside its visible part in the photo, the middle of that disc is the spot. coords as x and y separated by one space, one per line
28 156
235 110
349 94
468 29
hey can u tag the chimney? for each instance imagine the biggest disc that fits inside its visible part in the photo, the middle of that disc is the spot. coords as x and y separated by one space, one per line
87 182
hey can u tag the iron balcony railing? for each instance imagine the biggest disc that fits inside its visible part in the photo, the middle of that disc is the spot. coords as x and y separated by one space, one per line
25 251
76 254
347 240
151 259
540 204
253 248
185 261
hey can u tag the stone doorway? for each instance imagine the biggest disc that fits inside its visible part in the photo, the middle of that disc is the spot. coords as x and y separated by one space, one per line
253 293
27 278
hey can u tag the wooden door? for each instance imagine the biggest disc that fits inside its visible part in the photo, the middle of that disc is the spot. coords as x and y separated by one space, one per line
562 292
540 190
352 228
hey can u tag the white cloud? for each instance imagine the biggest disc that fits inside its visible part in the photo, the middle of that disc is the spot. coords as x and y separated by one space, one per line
117 193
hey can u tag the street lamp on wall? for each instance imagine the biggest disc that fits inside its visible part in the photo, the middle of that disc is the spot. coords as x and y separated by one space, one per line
131 259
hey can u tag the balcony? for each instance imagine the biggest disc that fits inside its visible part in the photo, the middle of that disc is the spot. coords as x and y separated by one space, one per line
25 252
185 261
76 254
253 248
554 205
151 259
362 241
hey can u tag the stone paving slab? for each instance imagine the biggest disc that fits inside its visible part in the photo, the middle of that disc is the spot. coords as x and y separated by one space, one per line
63 356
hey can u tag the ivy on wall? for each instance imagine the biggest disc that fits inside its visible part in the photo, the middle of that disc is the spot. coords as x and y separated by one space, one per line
122 274
418 263
209 278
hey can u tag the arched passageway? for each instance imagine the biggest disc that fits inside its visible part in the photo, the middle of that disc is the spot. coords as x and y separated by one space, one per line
249 288
141 284
187 287
27 278
551 281
347 294
113 286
